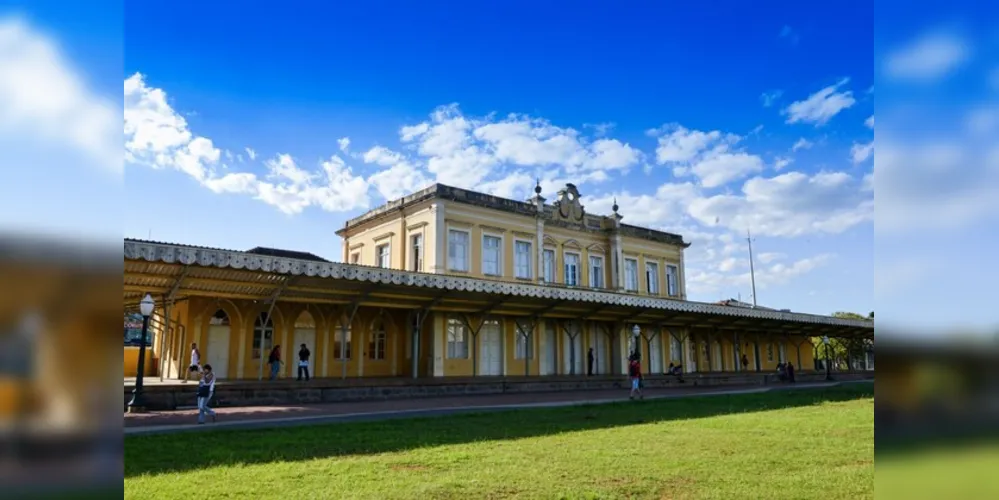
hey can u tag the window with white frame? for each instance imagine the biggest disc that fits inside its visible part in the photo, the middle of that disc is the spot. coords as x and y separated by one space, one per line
416 252
672 280
457 250
596 271
631 275
549 257
675 350
522 258
383 256
571 269
523 348
652 277
457 339
491 255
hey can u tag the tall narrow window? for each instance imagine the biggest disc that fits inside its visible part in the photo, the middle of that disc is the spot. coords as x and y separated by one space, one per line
523 348
491 255
652 277
457 339
631 275
549 266
571 269
263 335
596 272
522 254
672 280
383 256
416 243
376 344
341 341
457 250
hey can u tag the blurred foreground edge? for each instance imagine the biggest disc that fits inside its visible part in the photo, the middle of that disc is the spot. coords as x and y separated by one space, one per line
936 391
60 420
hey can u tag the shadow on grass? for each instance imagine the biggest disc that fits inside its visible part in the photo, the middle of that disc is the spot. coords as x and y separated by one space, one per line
176 453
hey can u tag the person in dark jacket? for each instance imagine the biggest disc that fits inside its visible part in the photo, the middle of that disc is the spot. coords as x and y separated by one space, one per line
590 359
303 363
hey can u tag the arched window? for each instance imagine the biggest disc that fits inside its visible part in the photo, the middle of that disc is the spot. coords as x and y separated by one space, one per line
263 335
376 343
676 349
305 321
341 342
220 318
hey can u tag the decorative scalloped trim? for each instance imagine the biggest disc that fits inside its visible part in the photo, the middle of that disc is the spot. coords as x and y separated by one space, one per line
205 257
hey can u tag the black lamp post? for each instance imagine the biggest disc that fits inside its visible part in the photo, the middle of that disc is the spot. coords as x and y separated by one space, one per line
138 402
825 340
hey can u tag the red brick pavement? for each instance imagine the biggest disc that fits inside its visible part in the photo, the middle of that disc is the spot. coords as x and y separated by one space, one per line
251 413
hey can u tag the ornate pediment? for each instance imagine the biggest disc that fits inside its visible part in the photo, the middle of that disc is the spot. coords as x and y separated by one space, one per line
568 207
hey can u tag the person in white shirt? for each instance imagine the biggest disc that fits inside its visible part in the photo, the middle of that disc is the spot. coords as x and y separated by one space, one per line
206 389
195 366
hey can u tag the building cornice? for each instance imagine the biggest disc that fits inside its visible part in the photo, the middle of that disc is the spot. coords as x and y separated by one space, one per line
227 259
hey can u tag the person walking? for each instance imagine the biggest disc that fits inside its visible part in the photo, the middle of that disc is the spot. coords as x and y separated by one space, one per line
590 359
635 373
303 363
275 361
206 390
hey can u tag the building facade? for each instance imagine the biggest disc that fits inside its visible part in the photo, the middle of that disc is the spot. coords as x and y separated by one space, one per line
450 282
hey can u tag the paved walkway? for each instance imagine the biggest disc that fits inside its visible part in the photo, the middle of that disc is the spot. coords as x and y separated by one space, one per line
255 417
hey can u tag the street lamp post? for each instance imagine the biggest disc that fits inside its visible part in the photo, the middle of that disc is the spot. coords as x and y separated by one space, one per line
825 340
636 333
138 402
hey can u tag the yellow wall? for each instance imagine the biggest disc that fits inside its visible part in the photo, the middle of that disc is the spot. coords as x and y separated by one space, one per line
397 227
394 229
326 320
131 364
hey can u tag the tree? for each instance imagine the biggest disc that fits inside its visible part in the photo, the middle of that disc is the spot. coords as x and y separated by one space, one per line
840 350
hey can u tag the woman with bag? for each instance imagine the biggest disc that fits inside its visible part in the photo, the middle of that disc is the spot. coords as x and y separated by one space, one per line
206 389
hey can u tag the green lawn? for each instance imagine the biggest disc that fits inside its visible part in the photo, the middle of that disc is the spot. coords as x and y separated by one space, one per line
794 444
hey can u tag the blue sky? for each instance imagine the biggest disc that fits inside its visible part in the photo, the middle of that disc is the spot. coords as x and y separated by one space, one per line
699 121
670 108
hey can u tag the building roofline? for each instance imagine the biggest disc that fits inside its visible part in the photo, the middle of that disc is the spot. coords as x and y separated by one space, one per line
466 196
229 259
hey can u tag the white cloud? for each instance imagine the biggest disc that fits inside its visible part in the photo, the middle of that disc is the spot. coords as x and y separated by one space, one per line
870 122
251 154
344 144
928 58
768 257
708 155
706 281
770 97
41 96
859 153
400 178
157 136
821 106
789 205
802 144
781 162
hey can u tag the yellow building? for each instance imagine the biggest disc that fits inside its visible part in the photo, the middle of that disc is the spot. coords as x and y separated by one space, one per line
451 282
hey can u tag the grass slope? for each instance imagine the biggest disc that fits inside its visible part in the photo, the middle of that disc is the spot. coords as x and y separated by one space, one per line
786 444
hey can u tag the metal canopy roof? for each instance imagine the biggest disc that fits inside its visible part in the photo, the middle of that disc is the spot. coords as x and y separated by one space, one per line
180 270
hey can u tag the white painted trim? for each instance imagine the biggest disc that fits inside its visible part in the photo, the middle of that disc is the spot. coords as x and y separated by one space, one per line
387 246
624 273
482 253
659 285
603 270
530 254
579 272
468 249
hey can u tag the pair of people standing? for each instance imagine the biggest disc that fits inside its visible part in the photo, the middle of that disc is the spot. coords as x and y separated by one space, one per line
274 360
